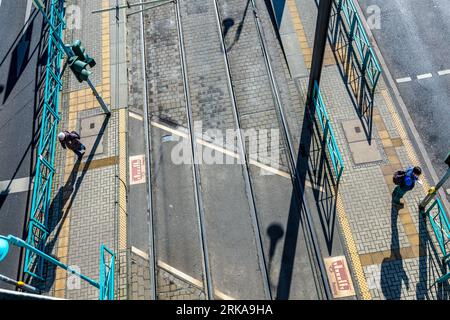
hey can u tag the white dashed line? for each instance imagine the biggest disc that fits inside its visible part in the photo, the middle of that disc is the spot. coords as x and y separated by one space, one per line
135 116
424 76
401 80
444 72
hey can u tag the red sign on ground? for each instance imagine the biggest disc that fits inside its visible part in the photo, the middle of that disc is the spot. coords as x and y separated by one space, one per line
339 277
137 169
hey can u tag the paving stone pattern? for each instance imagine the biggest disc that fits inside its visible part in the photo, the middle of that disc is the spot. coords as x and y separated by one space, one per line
254 99
367 197
139 284
171 287
90 34
210 96
165 80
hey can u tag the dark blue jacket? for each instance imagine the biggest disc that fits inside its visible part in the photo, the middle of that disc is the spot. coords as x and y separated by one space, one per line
410 180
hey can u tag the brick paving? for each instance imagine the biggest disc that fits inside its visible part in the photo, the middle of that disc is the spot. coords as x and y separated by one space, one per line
395 248
85 210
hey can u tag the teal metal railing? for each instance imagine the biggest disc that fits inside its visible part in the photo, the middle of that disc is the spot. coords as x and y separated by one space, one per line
441 228
45 169
357 35
106 274
106 282
327 131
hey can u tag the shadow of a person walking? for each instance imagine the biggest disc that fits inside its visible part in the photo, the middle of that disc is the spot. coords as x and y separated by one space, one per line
392 271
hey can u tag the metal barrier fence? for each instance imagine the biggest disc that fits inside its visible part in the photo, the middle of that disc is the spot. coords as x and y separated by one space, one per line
356 34
45 169
106 275
441 228
327 131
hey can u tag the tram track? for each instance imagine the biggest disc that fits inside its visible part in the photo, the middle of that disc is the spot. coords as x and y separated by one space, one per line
288 149
221 202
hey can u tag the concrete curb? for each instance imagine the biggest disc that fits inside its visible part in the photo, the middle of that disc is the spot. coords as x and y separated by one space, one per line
404 113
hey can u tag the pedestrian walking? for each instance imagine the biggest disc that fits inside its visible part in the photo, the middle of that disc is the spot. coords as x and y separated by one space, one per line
72 141
405 181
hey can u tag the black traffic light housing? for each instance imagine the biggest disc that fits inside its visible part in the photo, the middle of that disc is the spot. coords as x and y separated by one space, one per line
447 160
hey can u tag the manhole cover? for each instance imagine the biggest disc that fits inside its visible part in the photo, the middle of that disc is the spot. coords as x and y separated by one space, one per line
90 131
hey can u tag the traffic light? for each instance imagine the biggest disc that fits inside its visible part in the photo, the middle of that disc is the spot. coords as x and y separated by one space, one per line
79 51
79 61
79 69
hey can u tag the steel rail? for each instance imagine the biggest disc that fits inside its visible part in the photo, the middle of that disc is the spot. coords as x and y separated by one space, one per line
243 156
195 169
298 188
148 146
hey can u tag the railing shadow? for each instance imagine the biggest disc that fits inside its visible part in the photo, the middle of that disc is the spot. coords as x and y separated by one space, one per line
392 270
325 184
431 267
351 70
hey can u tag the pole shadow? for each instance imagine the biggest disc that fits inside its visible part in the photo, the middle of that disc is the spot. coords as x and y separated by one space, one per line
392 272
228 23
275 232
311 162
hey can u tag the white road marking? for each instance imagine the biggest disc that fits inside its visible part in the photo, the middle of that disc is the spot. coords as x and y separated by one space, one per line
28 12
140 253
15 186
401 80
232 154
136 116
424 76
444 72
189 279
0 3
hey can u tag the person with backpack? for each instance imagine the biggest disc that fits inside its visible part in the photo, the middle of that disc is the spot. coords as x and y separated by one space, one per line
405 181
71 140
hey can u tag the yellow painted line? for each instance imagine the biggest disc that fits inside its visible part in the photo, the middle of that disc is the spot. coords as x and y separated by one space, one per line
191 280
403 135
123 177
299 30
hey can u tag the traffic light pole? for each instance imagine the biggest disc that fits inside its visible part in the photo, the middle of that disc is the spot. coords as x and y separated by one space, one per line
99 98
40 6
433 190
19 284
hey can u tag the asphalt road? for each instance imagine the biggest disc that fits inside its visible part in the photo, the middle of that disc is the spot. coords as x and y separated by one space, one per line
414 41
18 64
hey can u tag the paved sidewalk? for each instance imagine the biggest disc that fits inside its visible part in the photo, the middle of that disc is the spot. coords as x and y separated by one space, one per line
89 204
392 252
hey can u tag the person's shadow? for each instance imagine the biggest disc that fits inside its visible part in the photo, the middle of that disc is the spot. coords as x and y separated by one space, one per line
392 271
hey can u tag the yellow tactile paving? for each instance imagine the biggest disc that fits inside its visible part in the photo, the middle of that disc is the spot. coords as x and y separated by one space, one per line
403 135
350 244
123 179
301 36
79 101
